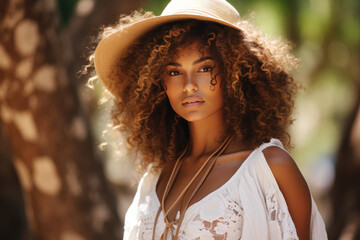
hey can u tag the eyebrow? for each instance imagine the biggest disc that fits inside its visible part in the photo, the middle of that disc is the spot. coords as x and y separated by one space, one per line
194 63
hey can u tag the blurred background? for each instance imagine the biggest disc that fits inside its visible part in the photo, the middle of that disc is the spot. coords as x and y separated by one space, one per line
56 183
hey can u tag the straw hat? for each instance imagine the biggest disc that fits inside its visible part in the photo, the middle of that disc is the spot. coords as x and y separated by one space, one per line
111 48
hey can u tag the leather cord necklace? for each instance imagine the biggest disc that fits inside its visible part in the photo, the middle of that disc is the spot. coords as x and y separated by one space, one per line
207 166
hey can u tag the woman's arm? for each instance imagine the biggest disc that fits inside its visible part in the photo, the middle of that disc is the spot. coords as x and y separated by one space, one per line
294 188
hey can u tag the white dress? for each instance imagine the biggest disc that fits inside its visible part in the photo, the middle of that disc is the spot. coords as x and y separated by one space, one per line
249 206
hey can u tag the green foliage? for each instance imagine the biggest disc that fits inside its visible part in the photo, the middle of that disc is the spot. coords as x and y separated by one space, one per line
66 10
156 6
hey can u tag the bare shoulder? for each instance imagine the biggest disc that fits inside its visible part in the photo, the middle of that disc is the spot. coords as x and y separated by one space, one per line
293 187
284 169
279 161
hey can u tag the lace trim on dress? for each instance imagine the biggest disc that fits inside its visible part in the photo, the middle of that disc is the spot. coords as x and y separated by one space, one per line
219 218
279 219
226 213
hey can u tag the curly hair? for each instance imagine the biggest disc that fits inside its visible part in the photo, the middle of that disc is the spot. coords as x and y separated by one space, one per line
258 90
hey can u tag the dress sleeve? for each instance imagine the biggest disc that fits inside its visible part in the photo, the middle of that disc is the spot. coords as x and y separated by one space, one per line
269 204
132 221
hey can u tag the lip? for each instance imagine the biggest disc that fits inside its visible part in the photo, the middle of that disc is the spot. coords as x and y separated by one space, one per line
192 101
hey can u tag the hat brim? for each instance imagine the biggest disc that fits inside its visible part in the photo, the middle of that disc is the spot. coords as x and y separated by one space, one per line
113 47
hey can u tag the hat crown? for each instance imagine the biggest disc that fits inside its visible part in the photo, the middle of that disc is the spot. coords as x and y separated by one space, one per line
114 46
220 9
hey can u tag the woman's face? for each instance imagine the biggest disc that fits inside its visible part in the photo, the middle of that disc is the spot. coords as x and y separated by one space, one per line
192 82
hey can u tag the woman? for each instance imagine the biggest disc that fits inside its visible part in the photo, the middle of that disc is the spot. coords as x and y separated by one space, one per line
205 99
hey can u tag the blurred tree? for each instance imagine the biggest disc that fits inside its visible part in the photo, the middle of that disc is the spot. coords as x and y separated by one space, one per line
345 195
13 223
79 34
66 193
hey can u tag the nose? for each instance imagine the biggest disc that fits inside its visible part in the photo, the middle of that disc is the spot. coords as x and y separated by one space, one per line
190 84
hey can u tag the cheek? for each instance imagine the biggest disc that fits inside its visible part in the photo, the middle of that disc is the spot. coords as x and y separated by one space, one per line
217 93
172 93
172 87
219 98
213 84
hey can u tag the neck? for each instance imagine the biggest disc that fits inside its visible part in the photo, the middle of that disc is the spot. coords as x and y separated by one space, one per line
206 134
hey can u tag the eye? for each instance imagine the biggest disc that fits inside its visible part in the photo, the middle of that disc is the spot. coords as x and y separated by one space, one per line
173 73
206 69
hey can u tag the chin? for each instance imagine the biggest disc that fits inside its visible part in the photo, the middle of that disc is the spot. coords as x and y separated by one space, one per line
193 117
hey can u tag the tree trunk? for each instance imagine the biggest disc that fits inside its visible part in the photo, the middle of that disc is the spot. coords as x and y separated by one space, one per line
66 193
345 194
13 223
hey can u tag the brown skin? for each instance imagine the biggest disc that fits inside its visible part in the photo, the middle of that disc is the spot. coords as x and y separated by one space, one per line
258 93
226 166
294 188
258 98
287 175
186 76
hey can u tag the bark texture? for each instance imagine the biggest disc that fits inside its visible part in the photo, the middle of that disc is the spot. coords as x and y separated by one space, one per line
66 193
